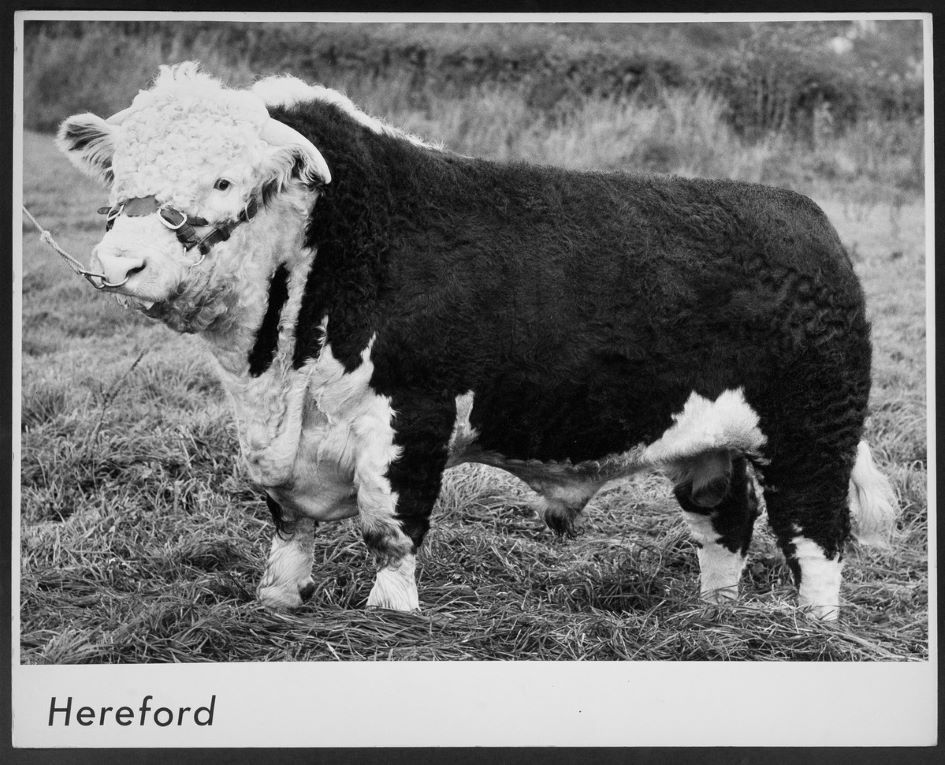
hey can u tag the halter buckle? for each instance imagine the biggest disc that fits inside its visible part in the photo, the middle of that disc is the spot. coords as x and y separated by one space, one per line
164 209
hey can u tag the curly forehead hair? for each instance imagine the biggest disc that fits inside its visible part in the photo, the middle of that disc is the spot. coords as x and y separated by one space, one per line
182 131
186 71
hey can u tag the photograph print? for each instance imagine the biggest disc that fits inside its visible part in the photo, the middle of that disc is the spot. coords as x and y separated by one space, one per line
473 341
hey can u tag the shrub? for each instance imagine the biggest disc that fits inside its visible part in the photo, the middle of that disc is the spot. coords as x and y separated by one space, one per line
782 76
772 77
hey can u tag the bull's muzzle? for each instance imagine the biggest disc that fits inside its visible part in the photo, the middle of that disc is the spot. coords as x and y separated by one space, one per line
117 268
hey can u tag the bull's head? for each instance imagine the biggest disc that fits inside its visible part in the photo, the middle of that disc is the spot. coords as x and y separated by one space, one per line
187 163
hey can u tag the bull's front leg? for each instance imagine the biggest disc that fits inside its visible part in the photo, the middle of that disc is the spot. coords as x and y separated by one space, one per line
395 586
287 582
398 484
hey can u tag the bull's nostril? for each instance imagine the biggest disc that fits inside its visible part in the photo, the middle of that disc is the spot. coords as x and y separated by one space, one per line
116 266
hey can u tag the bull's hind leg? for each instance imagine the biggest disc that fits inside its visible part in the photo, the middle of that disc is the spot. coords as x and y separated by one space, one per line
808 509
287 582
720 505
815 427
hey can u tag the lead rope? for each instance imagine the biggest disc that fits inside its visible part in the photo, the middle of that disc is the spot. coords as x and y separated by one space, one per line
74 264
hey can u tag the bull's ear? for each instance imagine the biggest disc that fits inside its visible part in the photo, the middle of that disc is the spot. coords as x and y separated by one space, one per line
292 156
87 141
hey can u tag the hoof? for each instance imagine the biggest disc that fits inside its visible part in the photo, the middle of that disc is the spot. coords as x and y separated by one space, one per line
286 599
821 613
395 591
721 596
392 603
391 607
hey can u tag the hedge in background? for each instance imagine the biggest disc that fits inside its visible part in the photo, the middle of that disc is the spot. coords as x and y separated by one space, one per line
771 77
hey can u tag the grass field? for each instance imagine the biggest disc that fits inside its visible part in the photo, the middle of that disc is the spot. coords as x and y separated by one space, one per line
142 541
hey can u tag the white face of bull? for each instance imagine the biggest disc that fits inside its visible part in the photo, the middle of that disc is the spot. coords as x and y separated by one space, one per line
205 151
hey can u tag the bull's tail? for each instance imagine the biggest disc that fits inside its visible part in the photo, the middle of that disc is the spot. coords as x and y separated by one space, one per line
873 503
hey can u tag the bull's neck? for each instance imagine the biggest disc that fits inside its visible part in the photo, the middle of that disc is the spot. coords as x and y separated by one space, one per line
367 215
269 265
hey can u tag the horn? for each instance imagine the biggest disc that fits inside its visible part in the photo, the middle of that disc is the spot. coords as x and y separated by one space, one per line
118 117
279 134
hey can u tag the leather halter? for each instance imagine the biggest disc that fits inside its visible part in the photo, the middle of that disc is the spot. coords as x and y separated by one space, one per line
181 224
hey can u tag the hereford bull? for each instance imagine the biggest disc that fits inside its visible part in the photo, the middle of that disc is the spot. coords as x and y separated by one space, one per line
381 309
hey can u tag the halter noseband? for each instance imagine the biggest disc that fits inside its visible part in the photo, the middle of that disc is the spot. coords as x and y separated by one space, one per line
181 224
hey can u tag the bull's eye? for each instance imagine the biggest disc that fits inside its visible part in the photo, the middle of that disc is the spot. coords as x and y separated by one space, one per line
222 184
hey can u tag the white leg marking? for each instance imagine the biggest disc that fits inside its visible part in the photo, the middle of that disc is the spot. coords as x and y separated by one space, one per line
288 573
720 568
396 586
819 591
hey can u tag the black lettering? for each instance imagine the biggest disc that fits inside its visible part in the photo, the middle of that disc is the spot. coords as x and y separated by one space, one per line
208 710
124 716
144 707
53 709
